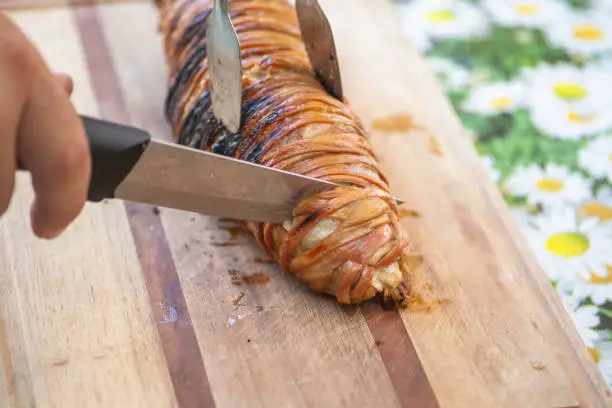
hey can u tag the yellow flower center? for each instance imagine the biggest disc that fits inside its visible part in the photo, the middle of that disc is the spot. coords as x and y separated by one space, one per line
501 103
588 32
595 209
441 15
602 280
568 244
594 354
570 91
578 118
549 184
526 9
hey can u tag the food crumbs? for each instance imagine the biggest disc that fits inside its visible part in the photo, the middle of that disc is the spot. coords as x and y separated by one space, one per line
412 261
239 298
434 146
223 244
394 123
377 343
233 230
156 210
60 363
263 261
539 366
256 278
231 321
408 213
418 303
259 308
234 275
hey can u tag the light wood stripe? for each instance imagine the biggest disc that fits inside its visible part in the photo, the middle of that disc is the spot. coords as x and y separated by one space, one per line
46 4
165 293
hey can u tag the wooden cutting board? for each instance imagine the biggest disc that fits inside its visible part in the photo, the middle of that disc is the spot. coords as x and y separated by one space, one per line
134 307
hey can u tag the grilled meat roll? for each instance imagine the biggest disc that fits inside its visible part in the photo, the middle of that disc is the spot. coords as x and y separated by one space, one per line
347 242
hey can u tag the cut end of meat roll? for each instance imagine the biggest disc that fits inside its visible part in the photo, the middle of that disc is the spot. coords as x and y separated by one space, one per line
346 242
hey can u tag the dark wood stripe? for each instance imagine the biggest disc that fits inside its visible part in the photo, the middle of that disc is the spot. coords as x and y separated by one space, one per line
400 357
178 339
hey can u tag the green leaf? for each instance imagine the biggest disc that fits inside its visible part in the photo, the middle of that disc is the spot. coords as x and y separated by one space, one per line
579 4
501 55
513 141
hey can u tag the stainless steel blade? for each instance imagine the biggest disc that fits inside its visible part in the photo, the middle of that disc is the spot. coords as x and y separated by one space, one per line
175 176
319 41
224 66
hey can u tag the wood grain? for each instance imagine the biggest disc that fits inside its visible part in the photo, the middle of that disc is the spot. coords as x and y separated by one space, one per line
475 257
499 338
14 5
177 337
77 328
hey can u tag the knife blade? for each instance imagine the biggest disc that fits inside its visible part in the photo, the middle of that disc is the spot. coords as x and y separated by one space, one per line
224 66
320 46
128 165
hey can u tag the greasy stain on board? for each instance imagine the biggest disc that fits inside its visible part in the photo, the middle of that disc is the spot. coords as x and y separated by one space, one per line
408 213
223 244
257 278
231 227
264 261
402 122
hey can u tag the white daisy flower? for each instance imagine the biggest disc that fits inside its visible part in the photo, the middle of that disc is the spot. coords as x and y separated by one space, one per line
549 186
495 98
568 249
571 121
585 33
567 83
597 288
489 164
596 157
602 4
585 318
567 102
602 355
524 13
452 75
442 19
522 216
418 37
599 207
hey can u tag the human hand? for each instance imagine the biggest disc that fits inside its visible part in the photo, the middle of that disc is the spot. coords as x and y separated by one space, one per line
40 129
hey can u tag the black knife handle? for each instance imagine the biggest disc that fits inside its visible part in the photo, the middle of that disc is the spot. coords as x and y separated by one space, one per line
115 149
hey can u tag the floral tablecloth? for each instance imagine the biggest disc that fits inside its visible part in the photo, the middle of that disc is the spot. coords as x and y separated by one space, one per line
532 83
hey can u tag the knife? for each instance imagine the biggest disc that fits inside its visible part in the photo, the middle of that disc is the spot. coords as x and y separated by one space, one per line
127 164
320 46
